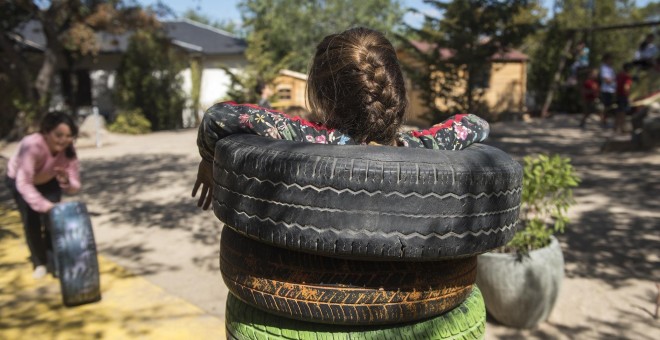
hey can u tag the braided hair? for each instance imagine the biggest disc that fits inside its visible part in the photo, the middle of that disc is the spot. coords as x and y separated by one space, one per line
356 83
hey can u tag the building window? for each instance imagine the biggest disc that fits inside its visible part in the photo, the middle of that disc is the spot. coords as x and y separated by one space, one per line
284 93
482 78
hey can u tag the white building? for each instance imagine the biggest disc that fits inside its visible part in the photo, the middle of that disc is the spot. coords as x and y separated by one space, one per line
215 49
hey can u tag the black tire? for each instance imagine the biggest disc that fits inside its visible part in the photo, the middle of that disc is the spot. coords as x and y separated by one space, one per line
75 253
339 291
467 321
367 202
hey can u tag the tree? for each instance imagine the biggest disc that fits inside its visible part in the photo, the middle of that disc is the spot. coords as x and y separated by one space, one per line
282 34
149 79
460 44
69 28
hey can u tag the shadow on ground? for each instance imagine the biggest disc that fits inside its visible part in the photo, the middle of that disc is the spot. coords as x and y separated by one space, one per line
614 235
604 330
130 307
150 192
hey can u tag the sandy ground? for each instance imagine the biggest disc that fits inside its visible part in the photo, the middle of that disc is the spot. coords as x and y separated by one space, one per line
137 189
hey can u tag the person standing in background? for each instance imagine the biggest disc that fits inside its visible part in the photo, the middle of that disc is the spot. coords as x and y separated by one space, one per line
646 53
264 92
590 92
607 87
623 84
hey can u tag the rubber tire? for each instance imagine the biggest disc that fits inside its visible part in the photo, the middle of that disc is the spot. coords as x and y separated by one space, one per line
367 202
338 291
75 253
467 321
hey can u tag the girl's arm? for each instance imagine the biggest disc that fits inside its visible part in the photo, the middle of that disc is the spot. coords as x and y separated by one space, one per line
455 133
224 119
69 177
28 155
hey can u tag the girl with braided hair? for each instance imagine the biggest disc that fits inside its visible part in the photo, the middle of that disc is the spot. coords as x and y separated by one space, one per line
356 85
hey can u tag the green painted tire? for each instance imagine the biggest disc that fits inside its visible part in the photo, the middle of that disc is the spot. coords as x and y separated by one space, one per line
467 321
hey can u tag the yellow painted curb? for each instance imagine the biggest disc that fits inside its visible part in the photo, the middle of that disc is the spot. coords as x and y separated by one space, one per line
131 307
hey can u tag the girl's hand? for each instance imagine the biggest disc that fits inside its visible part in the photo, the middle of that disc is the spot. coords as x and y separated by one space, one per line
61 175
205 179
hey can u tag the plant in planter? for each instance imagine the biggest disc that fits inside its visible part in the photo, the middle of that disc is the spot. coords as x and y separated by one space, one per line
520 282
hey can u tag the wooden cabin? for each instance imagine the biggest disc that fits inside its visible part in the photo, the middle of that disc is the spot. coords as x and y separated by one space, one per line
505 86
290 90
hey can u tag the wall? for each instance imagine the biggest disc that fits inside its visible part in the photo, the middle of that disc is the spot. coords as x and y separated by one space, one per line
506 93
215 83
298 92
508 84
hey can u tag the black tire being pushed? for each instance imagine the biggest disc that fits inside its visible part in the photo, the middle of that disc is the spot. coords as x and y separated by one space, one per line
74 250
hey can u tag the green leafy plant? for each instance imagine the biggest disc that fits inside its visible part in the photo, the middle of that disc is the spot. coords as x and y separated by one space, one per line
149 79
546 196
131 122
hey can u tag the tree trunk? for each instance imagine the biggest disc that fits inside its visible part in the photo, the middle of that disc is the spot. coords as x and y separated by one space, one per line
556 78
45 75
52 54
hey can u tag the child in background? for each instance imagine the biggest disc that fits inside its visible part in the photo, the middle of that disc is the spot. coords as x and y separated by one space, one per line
356 87
623 84
264 92
607 88
590 91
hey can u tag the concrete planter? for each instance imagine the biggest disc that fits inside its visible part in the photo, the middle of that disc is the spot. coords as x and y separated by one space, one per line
521 292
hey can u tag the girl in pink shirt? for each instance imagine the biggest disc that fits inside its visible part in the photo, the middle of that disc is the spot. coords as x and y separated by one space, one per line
44 166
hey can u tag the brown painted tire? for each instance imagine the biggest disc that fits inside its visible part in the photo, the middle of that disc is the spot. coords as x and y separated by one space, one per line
324 289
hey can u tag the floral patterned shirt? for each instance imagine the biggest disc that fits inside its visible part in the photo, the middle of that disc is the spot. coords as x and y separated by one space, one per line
224 119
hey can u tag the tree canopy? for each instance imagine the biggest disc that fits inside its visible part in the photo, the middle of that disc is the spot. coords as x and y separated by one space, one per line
69 28
282 34
149 80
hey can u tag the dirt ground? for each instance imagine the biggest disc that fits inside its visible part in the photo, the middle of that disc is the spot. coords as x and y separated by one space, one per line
137 189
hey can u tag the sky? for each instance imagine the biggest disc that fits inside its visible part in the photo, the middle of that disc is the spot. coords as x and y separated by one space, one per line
227 10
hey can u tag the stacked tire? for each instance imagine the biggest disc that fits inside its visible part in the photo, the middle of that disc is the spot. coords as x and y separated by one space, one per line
358 242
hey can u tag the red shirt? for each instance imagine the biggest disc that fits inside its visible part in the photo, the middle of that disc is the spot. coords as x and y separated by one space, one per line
590 90
623 82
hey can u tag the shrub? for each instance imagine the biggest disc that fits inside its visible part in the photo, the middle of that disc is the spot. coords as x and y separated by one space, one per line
546 196
148 78
130 122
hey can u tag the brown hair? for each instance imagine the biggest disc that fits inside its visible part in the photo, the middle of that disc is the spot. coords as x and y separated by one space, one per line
52 120
356 83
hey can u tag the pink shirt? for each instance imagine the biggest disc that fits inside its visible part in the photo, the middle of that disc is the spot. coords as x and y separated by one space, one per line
34 164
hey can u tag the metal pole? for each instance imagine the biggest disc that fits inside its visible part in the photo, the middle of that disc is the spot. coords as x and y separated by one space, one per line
97 118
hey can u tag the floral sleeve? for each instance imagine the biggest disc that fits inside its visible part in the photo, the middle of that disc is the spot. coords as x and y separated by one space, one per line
455 133
224 119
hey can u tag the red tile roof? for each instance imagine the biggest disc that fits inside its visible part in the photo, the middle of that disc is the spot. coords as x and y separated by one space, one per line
445 53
